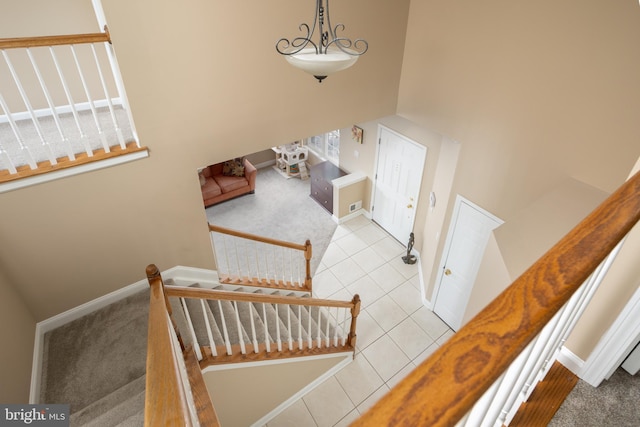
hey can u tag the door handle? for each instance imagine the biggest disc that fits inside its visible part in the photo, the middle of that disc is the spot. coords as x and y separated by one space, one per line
447 272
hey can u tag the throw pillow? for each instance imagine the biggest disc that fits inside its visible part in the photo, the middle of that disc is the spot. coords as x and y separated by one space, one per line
233 167
203 180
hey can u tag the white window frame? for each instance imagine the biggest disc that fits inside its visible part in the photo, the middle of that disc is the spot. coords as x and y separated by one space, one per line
326 146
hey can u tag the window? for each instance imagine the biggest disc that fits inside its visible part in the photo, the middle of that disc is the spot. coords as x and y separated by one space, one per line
327 146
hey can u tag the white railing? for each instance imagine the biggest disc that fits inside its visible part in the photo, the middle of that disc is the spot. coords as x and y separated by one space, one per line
222 324
251 260
60 97
499 404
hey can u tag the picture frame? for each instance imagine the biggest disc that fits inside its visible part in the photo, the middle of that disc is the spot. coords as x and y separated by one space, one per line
357 134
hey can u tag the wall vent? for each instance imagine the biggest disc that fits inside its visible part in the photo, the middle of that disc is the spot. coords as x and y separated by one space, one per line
355 206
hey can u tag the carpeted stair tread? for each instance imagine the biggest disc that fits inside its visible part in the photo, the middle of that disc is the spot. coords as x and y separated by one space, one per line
113 408
272 317
135 420
179 317
84 361
248 312
225 310
195 308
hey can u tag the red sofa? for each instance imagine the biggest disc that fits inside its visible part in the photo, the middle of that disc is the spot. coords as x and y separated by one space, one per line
217 187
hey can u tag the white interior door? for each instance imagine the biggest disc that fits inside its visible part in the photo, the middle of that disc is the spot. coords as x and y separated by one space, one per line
467 239
398 176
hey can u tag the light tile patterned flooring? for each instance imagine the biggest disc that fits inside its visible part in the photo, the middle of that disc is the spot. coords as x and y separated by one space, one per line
395 331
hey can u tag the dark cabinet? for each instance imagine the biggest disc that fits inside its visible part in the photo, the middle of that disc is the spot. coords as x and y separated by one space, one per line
321 188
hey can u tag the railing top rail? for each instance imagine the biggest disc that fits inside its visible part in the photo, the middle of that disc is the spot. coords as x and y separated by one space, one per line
212 294
257 238
442 389
165 401
25 42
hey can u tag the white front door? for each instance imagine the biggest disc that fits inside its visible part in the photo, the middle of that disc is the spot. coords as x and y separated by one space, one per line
397 184
467 239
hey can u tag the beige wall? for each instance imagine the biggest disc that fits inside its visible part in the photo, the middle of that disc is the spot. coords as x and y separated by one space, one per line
533 92
265 387
17 328
621 282
346 196
197 99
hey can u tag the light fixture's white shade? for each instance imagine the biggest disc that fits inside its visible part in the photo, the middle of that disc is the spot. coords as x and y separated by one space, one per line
321 65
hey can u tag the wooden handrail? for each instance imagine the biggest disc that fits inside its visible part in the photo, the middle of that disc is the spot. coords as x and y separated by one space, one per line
211 294
262 239
165 400
26 42
441 390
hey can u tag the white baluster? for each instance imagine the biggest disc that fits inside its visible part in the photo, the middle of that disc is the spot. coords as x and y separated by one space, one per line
246 254
254 339
258 275
243 350
291 265
27 103
18 135
478 413
326 333
284 268
300 327
267 340
275 263
309 337
289 327
72 104
235 247
225 333
521 370
300 282
509 378
192 331
543 347
516 396
114 120
94 113
335 337
344 325
278 340
212 343
52 107
226 254
319 338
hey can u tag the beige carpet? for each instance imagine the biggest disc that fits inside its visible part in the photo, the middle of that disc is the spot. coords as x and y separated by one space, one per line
281 209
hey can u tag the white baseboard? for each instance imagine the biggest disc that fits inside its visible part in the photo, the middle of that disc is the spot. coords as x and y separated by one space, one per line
571 361
265 164
290 401
179 274
351 216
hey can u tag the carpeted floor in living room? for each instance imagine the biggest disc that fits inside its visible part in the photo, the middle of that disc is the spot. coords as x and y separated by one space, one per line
281 209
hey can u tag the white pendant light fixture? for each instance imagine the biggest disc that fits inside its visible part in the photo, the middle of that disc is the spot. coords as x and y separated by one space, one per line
329 55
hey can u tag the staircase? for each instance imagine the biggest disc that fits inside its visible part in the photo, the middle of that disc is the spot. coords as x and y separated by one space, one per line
217 326
250 324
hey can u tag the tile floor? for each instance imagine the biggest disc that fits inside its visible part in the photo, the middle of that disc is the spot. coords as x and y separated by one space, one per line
395 331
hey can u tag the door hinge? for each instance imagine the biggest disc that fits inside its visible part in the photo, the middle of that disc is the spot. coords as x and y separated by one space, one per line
372 208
